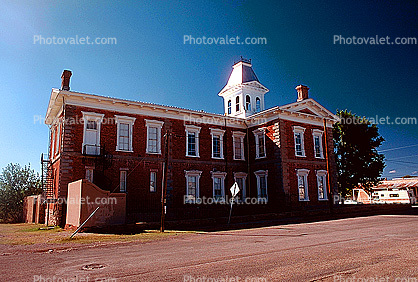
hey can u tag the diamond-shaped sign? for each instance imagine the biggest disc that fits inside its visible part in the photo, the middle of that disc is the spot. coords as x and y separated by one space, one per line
234 189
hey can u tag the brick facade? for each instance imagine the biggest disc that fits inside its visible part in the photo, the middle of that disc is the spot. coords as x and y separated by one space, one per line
69 163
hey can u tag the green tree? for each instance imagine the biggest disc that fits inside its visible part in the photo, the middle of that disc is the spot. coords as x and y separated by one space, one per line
16 183
358 162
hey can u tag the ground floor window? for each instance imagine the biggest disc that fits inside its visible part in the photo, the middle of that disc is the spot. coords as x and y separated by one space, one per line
218 185
240 178
122 184
302 175
153 181
261 176
321 178
192 185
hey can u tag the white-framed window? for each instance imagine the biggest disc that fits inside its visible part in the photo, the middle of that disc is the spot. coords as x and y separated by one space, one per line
298 133
153 180
260 143
241 178
218 179
302 175
154 136
317 142
261 176
89 173
321 179
229 107
257 105
238 144
91 134
248 103
192 140
122 183
124 133
237 104
217 143
53 142
192 185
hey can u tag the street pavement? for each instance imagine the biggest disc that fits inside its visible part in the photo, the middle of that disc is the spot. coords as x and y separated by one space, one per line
363 249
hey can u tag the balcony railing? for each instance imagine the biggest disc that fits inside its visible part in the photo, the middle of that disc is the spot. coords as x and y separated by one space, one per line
92 150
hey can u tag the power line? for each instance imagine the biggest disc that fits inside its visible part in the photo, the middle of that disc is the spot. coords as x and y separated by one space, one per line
397 148
404 157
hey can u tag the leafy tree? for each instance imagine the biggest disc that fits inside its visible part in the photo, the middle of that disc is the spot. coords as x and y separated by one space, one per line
358 162
16 183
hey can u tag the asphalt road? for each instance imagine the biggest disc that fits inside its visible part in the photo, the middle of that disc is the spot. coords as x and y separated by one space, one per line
357 249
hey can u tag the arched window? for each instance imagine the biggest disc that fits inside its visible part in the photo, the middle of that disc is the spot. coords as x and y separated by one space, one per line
248 103
229 107
237 104
257 105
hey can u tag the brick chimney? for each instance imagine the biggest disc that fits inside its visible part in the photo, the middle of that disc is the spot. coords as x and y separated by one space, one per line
65 80
303 92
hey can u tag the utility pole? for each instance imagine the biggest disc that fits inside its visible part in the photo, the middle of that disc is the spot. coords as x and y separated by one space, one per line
330 195
164 184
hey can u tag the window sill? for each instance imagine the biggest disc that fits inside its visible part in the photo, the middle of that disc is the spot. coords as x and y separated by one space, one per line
126 151
259 158
215 158
192 156
304 200
320 158
323 200
154 153
300 156
238 159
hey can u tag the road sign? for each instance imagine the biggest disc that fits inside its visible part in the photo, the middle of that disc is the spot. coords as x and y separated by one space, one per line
234 190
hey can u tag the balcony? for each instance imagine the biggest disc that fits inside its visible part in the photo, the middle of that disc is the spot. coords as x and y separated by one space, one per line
91 150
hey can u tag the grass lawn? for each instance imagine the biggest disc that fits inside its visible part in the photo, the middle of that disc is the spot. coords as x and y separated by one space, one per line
33 234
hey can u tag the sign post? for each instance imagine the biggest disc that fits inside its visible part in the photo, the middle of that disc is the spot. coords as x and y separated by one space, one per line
234 192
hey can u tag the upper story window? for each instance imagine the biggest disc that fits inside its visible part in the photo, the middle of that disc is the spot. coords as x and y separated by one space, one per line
124 133
238 143
248 103
153 136
262 183
321 179
299 141
317 140
192 185
237 104
57 139
218 185
229 107
91 134
217 143
302 175
257 105
192 140
260 143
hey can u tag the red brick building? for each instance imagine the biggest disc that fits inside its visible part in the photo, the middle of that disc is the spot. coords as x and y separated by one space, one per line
277 155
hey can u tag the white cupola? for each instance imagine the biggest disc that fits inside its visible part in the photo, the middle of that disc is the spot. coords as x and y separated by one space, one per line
243 94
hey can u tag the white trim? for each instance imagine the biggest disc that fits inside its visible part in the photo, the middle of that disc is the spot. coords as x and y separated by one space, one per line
299 130
243 189
154 124
303 173
91 116
196 173
257 133
258 175
219 133
125 120
324 184
196 130
238 135
318 133
221 175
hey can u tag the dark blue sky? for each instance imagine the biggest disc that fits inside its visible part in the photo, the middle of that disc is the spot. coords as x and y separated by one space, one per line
150 62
